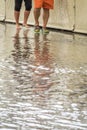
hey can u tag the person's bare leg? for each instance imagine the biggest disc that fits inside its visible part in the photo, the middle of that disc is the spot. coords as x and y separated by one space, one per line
26 15
17 15
45 17
36 16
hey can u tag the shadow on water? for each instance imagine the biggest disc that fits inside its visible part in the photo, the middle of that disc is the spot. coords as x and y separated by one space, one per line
43 80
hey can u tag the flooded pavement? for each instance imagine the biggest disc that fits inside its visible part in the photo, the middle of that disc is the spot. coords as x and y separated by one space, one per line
43 80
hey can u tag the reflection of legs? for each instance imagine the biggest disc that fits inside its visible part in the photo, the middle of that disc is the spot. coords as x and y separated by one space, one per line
26 52
17 33
25 33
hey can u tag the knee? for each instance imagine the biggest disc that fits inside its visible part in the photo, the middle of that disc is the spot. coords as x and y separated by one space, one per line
28 7
17 7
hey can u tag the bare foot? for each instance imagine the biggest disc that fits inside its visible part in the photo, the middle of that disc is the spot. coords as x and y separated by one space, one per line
18 26
25 26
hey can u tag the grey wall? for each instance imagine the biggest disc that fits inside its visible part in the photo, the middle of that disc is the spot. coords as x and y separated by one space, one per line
67 14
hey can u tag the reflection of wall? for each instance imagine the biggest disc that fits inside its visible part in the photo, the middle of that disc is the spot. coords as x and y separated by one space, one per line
67 14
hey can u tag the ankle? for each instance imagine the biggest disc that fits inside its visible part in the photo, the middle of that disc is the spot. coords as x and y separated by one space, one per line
36 23
24 24
17 26
44 27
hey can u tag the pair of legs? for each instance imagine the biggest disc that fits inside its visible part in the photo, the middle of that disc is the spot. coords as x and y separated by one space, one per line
46 5
28 6
45 16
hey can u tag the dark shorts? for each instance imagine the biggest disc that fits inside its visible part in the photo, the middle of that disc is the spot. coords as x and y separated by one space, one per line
18 3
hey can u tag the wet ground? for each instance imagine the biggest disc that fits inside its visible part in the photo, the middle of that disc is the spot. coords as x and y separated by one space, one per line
43 80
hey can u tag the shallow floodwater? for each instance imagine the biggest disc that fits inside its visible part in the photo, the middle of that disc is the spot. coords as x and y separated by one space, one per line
43 80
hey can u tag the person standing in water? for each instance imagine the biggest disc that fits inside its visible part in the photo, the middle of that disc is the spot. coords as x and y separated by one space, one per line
17 8
46 5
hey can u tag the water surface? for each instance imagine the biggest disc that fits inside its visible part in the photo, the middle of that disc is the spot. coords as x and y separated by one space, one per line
43 80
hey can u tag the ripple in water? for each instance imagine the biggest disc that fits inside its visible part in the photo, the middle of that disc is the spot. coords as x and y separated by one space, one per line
43 83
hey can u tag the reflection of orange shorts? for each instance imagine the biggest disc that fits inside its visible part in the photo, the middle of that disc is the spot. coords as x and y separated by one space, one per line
48 4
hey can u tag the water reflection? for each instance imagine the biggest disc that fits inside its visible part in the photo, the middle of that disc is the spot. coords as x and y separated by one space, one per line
33 67
37 71
43 67
43 82
21 46
21 56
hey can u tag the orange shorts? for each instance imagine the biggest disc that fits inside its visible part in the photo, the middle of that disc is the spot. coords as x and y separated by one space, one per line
48 4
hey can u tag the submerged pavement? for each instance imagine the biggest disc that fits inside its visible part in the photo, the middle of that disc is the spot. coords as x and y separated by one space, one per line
43 80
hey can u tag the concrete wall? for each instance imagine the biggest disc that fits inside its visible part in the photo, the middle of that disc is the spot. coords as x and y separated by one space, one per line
67 14
2 10
81 16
